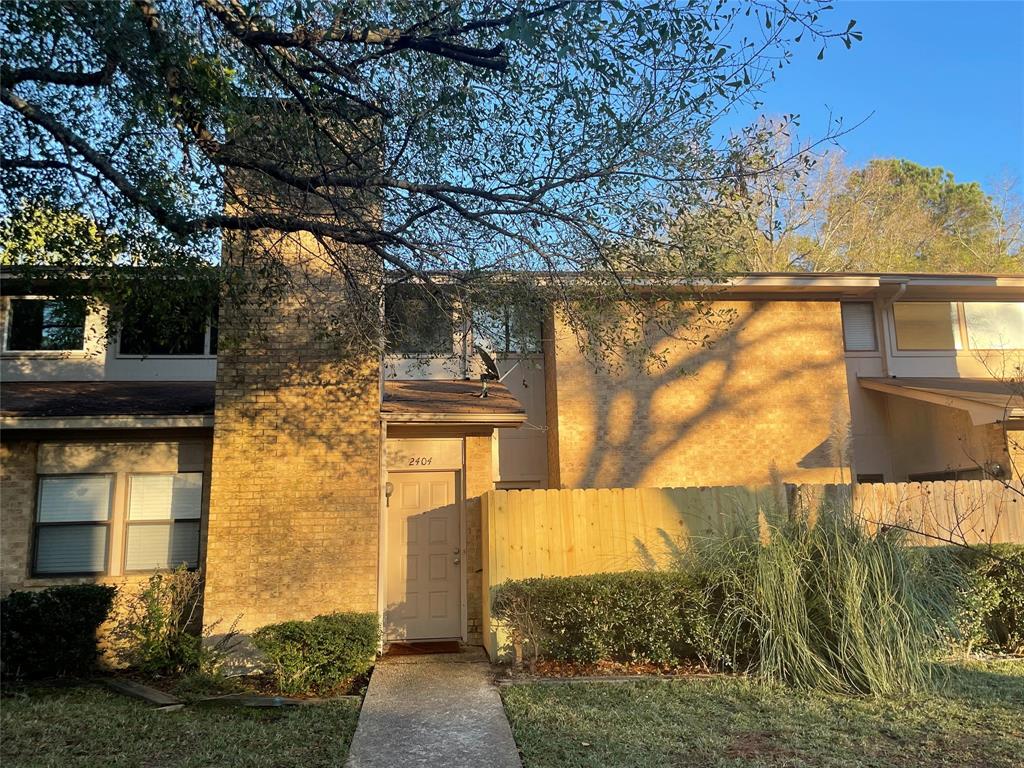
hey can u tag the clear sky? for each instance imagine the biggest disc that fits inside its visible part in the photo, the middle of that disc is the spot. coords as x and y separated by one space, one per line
944 79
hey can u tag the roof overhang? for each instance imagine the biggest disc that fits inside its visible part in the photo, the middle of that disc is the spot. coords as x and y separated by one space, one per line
450 403
36 405
986 401
105 422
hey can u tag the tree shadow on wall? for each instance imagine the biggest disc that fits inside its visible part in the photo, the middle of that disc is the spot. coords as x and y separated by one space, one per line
636 431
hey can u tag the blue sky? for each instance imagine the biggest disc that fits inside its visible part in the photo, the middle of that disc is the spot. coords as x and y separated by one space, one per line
944 79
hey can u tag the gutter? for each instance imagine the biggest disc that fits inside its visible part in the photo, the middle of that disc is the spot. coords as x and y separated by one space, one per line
104 422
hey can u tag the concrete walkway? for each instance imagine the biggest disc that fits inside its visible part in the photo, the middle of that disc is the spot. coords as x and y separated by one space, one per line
439 710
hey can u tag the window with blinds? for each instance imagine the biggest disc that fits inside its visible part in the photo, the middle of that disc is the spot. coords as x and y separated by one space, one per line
163 520
859 327
72 524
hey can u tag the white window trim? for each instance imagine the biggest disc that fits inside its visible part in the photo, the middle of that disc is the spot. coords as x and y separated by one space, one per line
206 355
52 354
127 521
965 349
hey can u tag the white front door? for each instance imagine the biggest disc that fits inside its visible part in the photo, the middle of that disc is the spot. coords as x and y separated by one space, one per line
424 560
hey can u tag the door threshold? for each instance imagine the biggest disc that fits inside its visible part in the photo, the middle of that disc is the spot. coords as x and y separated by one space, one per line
422 647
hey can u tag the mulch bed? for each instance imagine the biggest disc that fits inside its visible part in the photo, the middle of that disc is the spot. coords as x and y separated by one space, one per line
549 671
248 690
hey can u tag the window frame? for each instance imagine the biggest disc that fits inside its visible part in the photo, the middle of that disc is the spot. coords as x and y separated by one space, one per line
967 330
874 351
961 325
128 521
959 332
205 355
8 309
34 572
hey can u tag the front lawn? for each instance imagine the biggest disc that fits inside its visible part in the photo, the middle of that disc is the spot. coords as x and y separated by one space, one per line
975 720
86 726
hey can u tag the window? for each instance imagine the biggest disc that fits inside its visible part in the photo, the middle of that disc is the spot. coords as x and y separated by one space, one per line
46 325
994 324
507 330
72 523
416 322
150 333
163 521
859 327
926 325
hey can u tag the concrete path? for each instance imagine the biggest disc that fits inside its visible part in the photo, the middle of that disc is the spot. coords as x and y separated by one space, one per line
439 710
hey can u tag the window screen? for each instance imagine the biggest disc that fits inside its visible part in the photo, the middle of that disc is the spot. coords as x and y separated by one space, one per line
71 524
859 327
45 324
926 325
994 324
163 521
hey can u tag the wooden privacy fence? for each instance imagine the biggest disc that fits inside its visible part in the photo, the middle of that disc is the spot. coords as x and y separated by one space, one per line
574 531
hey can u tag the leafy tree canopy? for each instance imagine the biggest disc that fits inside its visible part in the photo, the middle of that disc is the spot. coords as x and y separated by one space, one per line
490 137
891 215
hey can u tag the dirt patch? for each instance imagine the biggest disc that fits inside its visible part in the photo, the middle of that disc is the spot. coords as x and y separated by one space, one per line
547 668
759 744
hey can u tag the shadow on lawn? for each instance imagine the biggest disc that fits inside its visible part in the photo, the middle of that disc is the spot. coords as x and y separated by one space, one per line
981 685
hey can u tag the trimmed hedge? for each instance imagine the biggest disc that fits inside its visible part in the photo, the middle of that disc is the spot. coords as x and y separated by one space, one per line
52 633
991 610
666 617
317 656
635 616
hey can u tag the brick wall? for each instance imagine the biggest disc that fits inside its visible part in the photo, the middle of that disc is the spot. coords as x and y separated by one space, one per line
766 396
293 526
17 508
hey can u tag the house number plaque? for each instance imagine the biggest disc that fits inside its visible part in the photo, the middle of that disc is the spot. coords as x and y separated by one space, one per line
415 453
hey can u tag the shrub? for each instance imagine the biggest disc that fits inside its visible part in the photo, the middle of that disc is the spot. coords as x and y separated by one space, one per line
827 605
636 616
158 630
990 609
319 655
53 632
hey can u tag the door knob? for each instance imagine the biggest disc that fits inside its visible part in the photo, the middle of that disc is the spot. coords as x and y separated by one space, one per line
456 551
455 561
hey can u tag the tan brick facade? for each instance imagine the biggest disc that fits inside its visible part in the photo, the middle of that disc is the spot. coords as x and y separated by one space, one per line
769 393
293 528
17 507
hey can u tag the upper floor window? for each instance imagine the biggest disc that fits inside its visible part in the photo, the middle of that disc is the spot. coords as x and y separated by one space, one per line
926 325
506 331
145 332
416 322
36 325
994 324
859 326
951 325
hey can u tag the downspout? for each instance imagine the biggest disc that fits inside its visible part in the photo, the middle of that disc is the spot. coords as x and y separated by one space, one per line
883 337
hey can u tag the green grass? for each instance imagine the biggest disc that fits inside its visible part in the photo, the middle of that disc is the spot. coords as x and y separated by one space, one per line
85 726
975 719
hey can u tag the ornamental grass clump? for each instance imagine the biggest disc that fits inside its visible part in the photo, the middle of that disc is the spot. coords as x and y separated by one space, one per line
826 604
